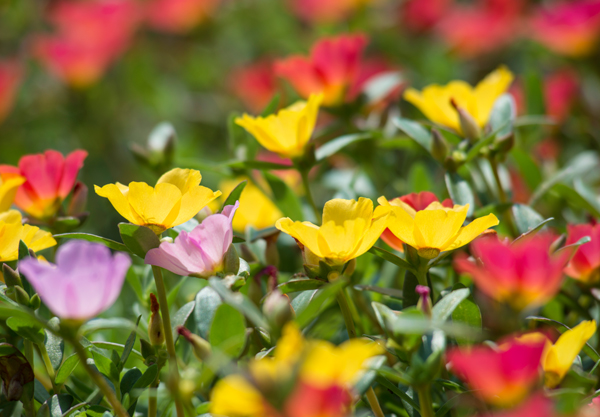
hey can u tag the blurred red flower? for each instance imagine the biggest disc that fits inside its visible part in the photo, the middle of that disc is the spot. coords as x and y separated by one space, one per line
255 84
560 91
419 15
585 264
11 73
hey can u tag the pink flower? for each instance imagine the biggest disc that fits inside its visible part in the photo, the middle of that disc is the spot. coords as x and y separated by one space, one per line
501 377
560 90
331 68
254 84
179 16
308 400
11 73
418 201
420 16
523 274
50 177
199 253
568 27
85 281
585 264
536 406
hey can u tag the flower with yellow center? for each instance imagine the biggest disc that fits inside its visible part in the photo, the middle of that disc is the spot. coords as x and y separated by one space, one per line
8 190
287 132
12 231
350 228
435 229
435 100
176 198
558 358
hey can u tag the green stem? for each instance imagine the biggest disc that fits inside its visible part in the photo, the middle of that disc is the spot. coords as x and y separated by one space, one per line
344 303
425 401
28 347
48 365
99 380
309 197
164 311
503 199
152 399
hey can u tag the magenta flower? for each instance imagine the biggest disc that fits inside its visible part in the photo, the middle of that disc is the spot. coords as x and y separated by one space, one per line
85 281
199 253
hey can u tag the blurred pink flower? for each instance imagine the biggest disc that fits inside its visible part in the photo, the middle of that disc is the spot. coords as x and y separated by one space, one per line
502 377
308 400
523 274
255 84
585 264
179 16
480 28
89 37
420 16
11 73
567 27
536 405
560 90
331 69
85 281
367 70
324 11
199 253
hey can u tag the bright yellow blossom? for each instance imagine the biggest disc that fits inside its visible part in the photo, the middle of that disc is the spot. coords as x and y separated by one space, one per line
435 229
434 100
12 231
287 132
558 358
176 198
8 191
349 229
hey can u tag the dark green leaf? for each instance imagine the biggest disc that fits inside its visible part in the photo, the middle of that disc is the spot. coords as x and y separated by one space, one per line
28 328
234 195
415 131
271 107
337 144
390 257
284 198
55 346
444 308
390 292
129 380
302 284
103 324
207 301
409 290
181 316
319 301
93 238
139 239
129 344
526 218
39 392
228 331
240 302
147 378
468 313
65 370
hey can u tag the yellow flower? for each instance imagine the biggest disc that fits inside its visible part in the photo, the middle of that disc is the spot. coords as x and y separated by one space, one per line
12 232
434 100
233 396
288 132
176 198
256 209
8 190
349 229
558 358
435 229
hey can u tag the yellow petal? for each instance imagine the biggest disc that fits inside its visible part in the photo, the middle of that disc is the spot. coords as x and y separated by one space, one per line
192 202
291 344
305 232
259 128
8 191
11 216
378 225
184 179
339 210
471 231
114 193
399 203
400 223
488 90
10 235
233 396
158 206
37 239
353 355
435 228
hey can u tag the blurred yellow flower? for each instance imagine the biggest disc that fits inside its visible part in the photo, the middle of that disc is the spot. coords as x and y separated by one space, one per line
176 198
8 190
434 100
12 231
558 358
256 209
349 229
287 132
435 229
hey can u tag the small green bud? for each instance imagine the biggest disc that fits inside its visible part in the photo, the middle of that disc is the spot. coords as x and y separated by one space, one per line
505 143
11 277
231 261
21 295
35 302
468 125
271 252
439 146
156 331
201 347
147 349
277 309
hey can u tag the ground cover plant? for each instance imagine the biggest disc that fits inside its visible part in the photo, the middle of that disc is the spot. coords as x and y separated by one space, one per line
301 208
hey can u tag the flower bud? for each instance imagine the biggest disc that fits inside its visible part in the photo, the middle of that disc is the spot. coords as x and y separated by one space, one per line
468 125
156 332
18 294
231 261
271 252
146 349
439 146
424 303
35 302
350 267
11 277
277 309
505 143
201 347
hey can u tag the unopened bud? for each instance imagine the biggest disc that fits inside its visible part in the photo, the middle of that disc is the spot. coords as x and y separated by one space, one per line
350 267
11 277
439 146
277 308
231 261
201 347
505 143
35 302
424 302
468 125
78 199
271 252
18 294
147 349
156 332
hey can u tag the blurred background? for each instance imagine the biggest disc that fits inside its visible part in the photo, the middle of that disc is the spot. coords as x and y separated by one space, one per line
101 75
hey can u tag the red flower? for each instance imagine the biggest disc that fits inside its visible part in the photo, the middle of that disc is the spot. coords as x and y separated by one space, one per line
254 84
179 16
311 401
419 15
331 69
585 264
501 377
50 177
567 28
560 89
11 73
418 201
536 406
523 274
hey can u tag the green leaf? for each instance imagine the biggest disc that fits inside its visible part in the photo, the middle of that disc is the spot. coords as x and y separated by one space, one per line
367 379
228 331
390 292
181 316
260 165
319 300
503 115
573 246
301 284
526 218
460 191
240 302
284 198
129 344
390 257
55 346
39 392
27 328
129 380
534 229
65 370
104 365
411 298
147 378
111 244
139 239
234 195
528 168
105 324
444 308
55 406
337 144
415 131
207 301
468 313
